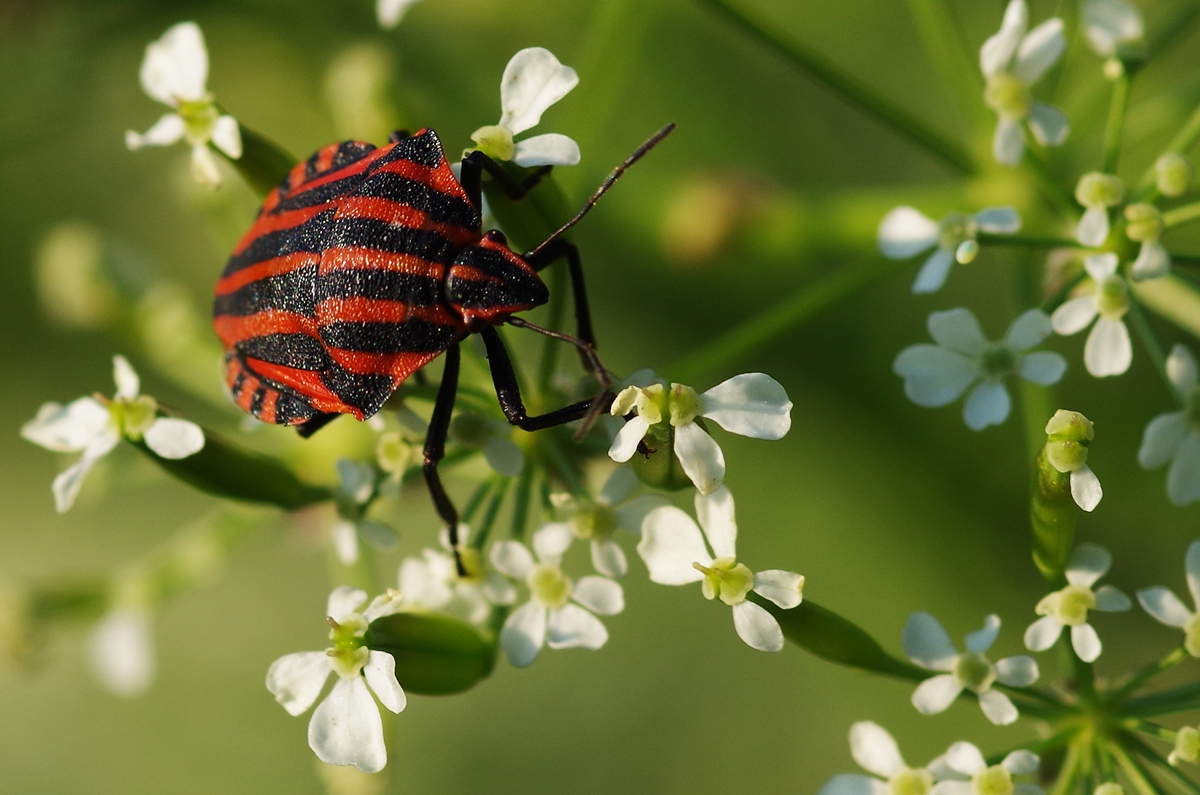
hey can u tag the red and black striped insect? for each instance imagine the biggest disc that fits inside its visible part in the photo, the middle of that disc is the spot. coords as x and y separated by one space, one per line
367 263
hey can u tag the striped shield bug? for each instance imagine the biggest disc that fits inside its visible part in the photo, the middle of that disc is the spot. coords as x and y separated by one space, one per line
367 263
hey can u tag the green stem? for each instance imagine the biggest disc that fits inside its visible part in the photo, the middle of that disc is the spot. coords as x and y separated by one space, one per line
520 509
551 346
1147 189
1039 747
1185 696
990 239
493 510
1181 215
477 498
1136 773
1154 348
263 163
1163 765
1151 729
562 466
1062 199
803 305
1071 769
1116 123
1173 299
1169 660
943 45
850 88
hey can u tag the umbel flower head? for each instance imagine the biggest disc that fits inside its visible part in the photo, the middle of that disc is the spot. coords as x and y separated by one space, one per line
613 509
1011 61
876 752
1069 607
905 232
1175 436
1108 350
927 644
94 425
935 375
532 82
175 72
432 582
1163 604
345 728
676 553
751 404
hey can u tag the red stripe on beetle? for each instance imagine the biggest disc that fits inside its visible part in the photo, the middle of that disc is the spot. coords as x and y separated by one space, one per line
398 365
307 383
271 267
400 214
233 329
373 310
361 258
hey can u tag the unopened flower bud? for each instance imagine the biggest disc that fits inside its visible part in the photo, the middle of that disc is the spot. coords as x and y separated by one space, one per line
1144 222
1109 788
1099 190
1173 174
1068 435
1113 69
966 252
1187 746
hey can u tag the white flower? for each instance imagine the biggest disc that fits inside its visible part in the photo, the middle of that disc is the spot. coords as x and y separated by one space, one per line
876 752
597 520
1108 350
1113 27
977 778
1096 192
751 404
927 644
174 72
120 651
1011 61
96 426
1163 604
549 618
1069 607
345 728
1187 746
432 582
935 375
905 232
1175 436
532 82
1145 225
391 12
675 552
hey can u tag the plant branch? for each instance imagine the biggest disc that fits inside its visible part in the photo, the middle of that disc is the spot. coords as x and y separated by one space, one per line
1136 773
992 239
1181 215
1116 122
1169 660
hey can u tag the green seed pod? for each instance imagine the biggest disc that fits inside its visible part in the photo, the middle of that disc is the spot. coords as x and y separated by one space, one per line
1173 174
1053 509
661 469
435 655
1099 190
1144 222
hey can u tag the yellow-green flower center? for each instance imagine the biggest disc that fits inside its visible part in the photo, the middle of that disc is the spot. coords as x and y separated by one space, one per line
199 116
726 579
393 453
1069 606
495 141
133 417
907 781
974 671
594 521
1096 189
348 655
993 780
685 405
1112 299
997 361
1008 96
956 229
548 586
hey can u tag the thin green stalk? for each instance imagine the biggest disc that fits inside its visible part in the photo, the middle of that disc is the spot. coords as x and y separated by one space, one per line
563 468
990 239
1173 299
1039 747
551 346
1147 190
1181 215
1071 768
1133 769
1164 707
850 88
1173 28
943 46
477 498
1085 677
1154 348
493 510
1169 660
1116 122
1146 705
806 303
520 509
1062 199
1107 772
1163 765
1151 729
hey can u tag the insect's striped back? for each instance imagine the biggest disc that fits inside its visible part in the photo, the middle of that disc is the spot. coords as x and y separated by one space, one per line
333 297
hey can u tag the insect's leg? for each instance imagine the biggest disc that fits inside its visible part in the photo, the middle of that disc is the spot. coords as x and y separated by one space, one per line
316 423
471 175
565 249
435 448
509 393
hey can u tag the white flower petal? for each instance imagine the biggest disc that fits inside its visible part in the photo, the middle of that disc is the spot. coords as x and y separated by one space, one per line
982 639
988 404
715 513
524 634
121 652
1088 563
750 404
1049 124
934 376
344 537
1043 633
1152 262
700 456
999 49
169 129
176 66
784 588
227 136
965 758
1183 478
1162 439
1192 569
1110 22
1101 266
1028 329
957 330
1111 600
346 729
1163 604
1021 762
380 672
608 558
572 627
1040 48
998 220
853 784
1108 350
420 586
1008 144
933 272
936 694
952 787
498 590
66 486
512 558
621 483
126 379
874 749
600 595
631 514
1181 369
552 540
174 438
1093 226
67 429
926 643
1019 671
905 231
204 167
550 149
757 627
1074 315
998 708
626 443
343 601
671 543
533 80
1086 642
1042 367
389 13
296 679
1085 488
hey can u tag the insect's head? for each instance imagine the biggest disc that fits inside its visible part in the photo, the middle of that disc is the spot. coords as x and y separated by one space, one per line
488 282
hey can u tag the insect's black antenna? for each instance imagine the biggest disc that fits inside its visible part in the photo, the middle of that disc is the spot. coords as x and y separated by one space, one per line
606 184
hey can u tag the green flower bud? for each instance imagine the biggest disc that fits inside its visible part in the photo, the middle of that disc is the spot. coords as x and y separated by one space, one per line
1173 174
1145 222
1113 69
966 252
435 654
1099 190
1068 434
1187 746
1007 95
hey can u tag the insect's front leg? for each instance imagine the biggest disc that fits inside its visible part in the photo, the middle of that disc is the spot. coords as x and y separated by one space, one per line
471 177
435 448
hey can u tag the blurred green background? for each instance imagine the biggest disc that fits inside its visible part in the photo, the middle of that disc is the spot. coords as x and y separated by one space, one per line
887 508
